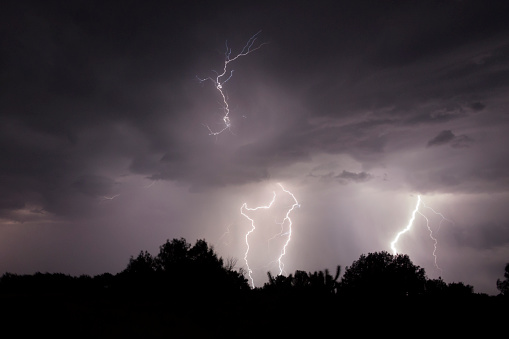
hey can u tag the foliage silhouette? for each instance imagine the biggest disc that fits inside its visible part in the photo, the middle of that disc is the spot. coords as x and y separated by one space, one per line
318 282
181 270
382 274
503 286
185 285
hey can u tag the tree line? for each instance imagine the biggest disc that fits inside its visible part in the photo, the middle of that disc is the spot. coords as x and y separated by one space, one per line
189 291
181 269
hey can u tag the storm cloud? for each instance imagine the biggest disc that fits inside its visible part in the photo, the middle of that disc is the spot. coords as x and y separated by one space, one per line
448 137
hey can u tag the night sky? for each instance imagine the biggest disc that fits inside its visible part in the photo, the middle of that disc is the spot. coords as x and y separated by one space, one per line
356 107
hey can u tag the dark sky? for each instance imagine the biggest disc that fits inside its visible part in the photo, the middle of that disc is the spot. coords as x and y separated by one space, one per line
356 107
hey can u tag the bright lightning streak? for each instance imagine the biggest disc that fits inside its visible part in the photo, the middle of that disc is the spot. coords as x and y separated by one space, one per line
435 241
286 219
219 83
407 228
244 206
411 222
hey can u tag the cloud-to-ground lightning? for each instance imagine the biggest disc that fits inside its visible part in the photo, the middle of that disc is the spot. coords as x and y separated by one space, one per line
286 219
219 82
407 228
242 208
411 222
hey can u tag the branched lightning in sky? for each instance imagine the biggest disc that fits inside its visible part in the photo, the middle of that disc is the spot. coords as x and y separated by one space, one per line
286 219
435 241
219 82
411 222
225 237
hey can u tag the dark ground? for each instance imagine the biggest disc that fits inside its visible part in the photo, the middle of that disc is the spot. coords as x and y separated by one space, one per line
251 315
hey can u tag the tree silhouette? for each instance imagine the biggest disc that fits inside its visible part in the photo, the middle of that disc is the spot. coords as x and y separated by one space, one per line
180 269
503 286
459 289
436 287
187 284
382 274
171 254
302 282
143 264
279 283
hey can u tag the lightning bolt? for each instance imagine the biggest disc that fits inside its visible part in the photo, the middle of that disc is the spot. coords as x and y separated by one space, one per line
435 241
219 82
407 228
411 222
104 198
227 235
286 219
244 206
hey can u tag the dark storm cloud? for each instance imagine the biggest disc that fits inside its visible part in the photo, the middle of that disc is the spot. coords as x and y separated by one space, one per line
75 67
477 106
448 137
461 141
355 177
443 137
344 177
94 185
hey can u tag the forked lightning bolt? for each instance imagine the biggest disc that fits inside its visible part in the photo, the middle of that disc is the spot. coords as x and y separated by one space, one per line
411 222
287 219
242 208
219 82
408 226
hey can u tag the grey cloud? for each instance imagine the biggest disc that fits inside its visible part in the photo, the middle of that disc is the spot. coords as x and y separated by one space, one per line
434 117
354 177
483 175
477 106
443 137
344 177
448 137
94 185
461 141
